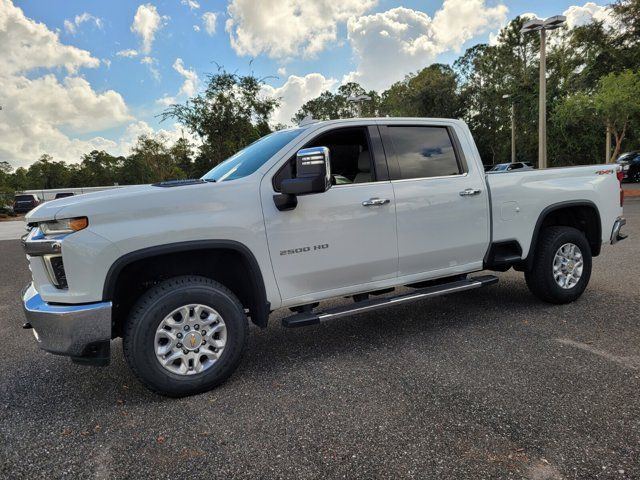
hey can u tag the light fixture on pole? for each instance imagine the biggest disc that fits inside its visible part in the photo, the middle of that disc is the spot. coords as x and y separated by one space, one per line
358 100
542 26
513 128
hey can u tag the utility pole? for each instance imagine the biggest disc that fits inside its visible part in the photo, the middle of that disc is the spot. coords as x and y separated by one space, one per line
542 26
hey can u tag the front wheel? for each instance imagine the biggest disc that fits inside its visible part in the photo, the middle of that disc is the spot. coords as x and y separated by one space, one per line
561 267
185 336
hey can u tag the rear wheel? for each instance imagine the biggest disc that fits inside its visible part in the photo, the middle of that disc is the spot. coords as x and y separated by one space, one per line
561 267
185 336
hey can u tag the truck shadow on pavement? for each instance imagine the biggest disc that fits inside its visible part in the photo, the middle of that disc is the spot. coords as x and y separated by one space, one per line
276 354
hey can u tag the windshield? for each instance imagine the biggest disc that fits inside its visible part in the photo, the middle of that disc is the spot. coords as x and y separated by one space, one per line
499 168
249 159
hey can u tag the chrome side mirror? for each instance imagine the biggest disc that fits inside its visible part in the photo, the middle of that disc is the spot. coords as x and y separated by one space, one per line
313 173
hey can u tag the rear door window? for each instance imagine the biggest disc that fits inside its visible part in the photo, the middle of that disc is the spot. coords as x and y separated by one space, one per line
423 152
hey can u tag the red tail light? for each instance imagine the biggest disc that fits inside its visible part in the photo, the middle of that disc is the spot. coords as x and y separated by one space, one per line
620 175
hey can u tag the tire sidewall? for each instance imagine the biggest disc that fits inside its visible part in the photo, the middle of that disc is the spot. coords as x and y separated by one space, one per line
569 235
140 341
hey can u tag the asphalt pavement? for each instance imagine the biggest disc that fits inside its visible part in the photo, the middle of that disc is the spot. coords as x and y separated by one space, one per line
485 384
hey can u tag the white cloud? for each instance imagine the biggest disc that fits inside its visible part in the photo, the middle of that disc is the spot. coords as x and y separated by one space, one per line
406 40
152 63
296 91
166 100
578 16
27 44
71 26
146 22
41 112
196 28
460 20
209 20
192 4
190 84
129 53
188 88
37 111
284 29
282 71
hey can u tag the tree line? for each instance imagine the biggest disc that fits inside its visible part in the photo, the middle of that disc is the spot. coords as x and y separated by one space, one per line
593 85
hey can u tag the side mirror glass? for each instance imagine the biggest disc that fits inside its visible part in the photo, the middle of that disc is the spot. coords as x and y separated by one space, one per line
313 173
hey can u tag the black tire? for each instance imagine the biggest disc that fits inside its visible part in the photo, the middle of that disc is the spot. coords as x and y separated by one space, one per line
160 301
540 278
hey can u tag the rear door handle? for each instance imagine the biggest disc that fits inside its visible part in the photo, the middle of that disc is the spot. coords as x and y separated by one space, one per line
469 192
372 202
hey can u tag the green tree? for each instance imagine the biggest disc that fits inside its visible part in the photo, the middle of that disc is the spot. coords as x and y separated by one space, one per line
432 92
47 173
617 102
614 105
182 156
151 161
98 168
231 113
330 106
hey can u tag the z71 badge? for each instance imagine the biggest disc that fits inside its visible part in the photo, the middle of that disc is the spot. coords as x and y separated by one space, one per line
293 251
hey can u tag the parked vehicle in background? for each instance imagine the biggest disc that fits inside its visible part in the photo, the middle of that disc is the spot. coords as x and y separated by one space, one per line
343 208
630 163
508 167
63 195
25 202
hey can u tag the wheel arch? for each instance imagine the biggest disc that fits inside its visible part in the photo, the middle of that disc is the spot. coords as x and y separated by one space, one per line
581 214
249 288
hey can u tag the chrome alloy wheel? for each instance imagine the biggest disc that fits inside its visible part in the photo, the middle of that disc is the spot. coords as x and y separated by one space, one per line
190 339
567 266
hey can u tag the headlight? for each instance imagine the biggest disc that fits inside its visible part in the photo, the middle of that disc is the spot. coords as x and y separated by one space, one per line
66 226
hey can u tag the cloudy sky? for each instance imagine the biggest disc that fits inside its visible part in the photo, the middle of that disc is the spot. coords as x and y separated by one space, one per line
78 75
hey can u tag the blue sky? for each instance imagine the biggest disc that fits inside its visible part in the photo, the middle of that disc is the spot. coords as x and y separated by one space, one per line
102 99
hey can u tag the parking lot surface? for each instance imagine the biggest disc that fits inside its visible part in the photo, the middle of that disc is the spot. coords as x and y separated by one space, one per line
11 229
485 384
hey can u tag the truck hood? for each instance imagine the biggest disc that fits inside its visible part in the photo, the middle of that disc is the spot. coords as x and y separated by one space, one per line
88 203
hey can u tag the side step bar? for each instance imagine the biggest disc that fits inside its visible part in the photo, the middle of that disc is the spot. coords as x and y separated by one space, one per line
313 318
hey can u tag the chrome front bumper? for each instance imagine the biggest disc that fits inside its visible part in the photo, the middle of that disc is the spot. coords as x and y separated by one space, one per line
616 235
79 331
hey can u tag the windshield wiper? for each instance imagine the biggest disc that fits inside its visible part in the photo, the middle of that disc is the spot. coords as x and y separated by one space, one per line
210 180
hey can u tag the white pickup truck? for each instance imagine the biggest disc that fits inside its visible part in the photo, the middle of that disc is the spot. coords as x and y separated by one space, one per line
346 208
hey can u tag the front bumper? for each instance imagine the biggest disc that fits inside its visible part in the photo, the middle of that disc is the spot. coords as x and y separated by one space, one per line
82 332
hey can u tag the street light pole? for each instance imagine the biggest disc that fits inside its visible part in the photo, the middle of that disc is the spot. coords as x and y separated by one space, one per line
542 26
358 101
513 132
513 128
542 103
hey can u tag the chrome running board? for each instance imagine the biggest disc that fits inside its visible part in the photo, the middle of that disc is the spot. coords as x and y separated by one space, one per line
313 318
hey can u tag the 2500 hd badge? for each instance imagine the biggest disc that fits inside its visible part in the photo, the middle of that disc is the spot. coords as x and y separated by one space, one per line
293 251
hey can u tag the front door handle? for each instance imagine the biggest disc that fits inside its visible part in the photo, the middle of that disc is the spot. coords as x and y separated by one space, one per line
469 192
372 202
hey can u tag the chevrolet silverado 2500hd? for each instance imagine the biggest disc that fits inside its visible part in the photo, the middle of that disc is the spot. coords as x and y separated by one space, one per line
345 208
